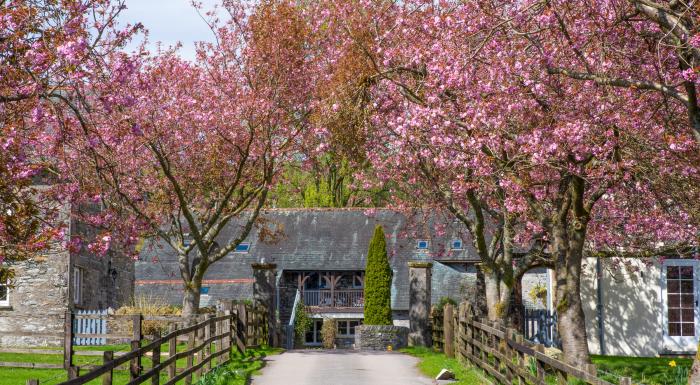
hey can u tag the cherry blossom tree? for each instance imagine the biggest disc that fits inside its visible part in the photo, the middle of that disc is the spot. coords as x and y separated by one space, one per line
45 48
466 113
181 150
647 47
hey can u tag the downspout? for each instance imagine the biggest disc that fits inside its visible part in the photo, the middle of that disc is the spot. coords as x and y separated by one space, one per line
599 305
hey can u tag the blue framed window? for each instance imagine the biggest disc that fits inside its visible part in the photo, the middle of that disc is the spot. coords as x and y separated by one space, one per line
457 244
422 245
242 247
204 290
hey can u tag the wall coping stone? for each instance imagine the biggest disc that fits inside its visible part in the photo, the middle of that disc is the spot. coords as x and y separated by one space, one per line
264 266
420 264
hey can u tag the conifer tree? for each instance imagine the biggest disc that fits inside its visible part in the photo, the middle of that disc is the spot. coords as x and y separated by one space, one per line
378 276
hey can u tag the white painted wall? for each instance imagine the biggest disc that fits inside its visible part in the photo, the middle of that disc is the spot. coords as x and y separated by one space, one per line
631 308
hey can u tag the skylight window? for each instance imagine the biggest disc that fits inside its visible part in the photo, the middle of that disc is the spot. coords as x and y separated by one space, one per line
457 244
422 245
242 247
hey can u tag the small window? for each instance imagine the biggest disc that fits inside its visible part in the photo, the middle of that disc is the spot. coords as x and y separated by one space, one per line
242 247
347 327
4 295
422 245
77 285
204 290
353 325
343 328
457 244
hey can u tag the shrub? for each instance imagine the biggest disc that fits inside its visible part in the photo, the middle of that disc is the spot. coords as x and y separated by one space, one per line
302 324
328 332
378 276
150 305
444 301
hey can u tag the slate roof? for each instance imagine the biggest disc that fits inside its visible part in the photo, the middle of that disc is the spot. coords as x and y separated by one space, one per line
320 239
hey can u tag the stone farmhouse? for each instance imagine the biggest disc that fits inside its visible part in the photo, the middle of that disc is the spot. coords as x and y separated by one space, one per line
33 308
646 308
322 254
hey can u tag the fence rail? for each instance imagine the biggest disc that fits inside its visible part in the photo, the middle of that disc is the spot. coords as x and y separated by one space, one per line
504 354
210 341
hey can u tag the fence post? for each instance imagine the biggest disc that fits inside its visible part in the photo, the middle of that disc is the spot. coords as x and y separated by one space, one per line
135 366
448 333
231 330
207 336
155 360
68 341
107 358
32 382
172 350
136 327
540 366
625 381
242 323
218 333
190 346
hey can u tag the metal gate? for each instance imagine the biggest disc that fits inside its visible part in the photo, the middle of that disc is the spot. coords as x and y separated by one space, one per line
540 326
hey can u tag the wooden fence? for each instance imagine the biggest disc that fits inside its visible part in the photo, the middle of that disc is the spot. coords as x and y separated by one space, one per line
503 353
210 340
437 329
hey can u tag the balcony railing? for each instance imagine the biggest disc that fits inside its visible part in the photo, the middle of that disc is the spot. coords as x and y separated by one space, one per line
336 298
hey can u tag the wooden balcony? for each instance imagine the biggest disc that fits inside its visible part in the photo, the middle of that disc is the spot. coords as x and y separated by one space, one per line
342 298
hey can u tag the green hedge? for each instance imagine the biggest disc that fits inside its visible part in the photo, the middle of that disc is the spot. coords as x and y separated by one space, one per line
377 282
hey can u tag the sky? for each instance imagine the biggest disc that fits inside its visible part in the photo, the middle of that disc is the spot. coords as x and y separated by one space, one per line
169 21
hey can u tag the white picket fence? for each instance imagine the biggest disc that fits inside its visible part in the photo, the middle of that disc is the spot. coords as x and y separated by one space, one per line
90 326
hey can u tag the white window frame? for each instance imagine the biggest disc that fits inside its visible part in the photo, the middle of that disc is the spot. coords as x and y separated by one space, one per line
78 277
679 343
347 326
5 302
461 244
242 251
427 244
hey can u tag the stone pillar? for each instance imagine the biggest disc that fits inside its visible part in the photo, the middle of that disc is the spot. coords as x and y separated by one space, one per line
419 280
264 294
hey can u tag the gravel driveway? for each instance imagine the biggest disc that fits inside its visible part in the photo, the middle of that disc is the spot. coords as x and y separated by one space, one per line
319 367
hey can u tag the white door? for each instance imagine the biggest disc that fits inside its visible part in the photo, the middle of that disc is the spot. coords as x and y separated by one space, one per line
679 293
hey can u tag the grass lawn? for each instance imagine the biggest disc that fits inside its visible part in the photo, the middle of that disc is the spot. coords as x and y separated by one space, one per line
243 365
431 363
645 370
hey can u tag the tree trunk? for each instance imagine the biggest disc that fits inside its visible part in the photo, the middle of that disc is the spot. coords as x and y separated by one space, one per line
497 296
571 324
694 375
571 321
190 300
516 304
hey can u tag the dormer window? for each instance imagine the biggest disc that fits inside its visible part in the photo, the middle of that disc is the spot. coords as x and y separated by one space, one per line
457 244
422 244
242 247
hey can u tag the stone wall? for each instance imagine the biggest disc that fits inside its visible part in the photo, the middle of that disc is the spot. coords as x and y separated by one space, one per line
38 300
379 337
42 292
